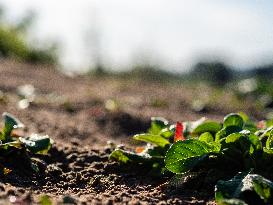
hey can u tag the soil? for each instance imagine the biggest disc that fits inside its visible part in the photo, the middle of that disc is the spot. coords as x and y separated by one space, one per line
75 112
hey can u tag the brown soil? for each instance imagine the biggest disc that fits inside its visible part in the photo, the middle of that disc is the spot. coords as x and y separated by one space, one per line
72 111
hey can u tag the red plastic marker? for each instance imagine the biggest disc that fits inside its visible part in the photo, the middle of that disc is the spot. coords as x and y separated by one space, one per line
179 132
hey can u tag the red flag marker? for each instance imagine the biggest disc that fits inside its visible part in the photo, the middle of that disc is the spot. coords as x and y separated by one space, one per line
179 132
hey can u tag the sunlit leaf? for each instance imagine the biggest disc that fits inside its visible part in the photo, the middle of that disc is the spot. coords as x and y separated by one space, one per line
184 155
37 143
206 137
207 126
10 123
233 119
154 139
157 124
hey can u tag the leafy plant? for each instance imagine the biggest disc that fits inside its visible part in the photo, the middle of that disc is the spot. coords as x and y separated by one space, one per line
237 145
14 43
11 144
158 138
242 185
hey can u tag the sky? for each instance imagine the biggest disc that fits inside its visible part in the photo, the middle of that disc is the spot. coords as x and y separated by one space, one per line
173 33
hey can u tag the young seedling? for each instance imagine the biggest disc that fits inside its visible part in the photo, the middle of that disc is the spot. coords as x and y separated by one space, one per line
237 145
10 144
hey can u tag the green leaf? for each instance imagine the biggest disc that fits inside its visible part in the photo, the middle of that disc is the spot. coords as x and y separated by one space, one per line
16 144
244 116
206 137
268 151
120 156
233 119
185 155
269 123
154 139
249 125
231 202
231 188
10 123
126 156
234 137
265 133
157 124
224 132
256 144
45 200
207 126
262 186
269 141
248 142
242 183
167 132
37 144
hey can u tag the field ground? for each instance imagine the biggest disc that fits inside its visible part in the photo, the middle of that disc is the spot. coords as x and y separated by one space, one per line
82 114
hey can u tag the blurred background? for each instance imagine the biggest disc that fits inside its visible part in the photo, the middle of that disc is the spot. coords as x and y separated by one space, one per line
226 46
174 34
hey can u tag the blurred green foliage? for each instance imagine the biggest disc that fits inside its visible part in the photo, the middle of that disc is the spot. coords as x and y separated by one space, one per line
215 73
14 44
150 72
142 72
